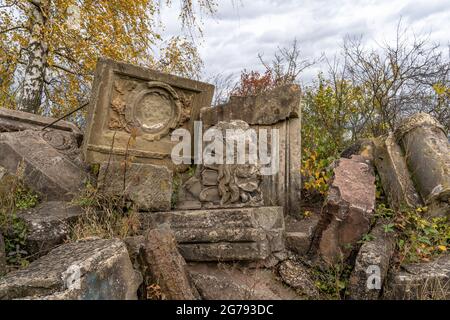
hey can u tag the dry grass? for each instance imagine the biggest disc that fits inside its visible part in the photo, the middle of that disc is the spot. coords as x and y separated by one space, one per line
105 216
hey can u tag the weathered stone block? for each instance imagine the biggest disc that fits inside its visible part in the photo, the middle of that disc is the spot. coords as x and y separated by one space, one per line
14 120
297 276
148 186
421 281
128 98
395 177
49 168
103 266
375 253
300 233
166 266
427 150
264 109
225 282
48 225
348 209
223 234
280 110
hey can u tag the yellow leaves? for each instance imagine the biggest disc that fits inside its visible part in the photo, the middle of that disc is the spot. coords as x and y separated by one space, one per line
441 89
442 248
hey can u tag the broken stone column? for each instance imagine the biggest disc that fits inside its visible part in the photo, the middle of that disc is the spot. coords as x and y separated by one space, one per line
374 258
427 152
86 270
348 210
147 186
49 160
395 177
276 109
234 234
166 266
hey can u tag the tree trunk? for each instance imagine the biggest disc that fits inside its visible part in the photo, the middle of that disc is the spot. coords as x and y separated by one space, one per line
33 83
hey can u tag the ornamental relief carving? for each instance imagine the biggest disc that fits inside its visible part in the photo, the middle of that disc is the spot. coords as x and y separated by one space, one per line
153 107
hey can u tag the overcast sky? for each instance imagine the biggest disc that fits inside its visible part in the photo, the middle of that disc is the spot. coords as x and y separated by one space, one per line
243 28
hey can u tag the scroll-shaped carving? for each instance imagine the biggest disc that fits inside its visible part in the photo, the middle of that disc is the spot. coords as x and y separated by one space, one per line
223 185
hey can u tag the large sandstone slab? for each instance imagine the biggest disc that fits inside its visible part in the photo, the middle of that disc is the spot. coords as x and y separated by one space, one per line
14 120
49 161
48 225
128 98
103 266
426 145
165 265
374 255
395 177
421 281
223 234
348 209
226 282
265 109
148 186
300 233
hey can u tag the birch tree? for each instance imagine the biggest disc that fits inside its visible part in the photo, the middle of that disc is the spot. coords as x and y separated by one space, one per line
49 48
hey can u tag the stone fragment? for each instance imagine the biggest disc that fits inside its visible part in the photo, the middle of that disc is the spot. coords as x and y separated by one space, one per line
228 184
2 256
421 281
226 282
300 233
348 209
223 234
373 258
265 109
427 150
166 266
395 177
48 225
277 113
14 120
128 98
46 170
148 186
87 270
295 275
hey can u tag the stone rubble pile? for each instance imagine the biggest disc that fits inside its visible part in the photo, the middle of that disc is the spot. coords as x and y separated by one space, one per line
219 231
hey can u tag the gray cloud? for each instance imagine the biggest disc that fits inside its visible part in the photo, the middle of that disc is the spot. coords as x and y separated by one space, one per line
243 28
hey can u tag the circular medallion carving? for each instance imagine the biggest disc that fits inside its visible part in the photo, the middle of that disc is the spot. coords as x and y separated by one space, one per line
155 109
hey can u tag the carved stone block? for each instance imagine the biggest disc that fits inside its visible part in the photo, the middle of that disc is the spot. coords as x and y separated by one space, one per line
129 100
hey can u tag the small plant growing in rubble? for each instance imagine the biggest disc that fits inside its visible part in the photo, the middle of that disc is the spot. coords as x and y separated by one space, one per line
15 196
421 238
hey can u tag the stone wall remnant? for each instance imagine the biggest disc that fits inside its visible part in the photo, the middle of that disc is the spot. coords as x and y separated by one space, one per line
234 234
427 152
129 100
277 109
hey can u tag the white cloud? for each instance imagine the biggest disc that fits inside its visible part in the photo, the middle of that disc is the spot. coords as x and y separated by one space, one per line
243 28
